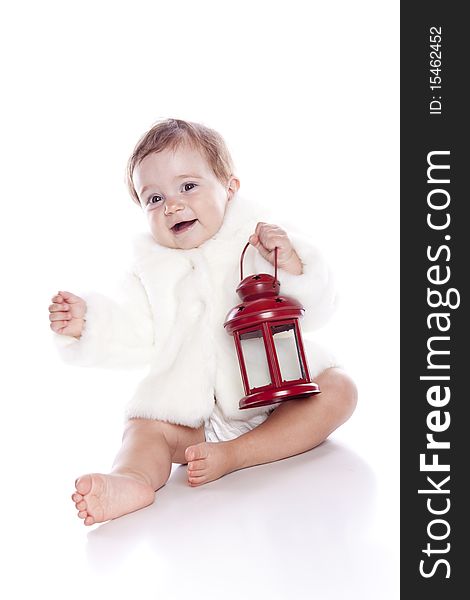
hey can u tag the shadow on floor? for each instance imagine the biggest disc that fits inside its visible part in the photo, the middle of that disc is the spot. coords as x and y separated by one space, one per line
295 528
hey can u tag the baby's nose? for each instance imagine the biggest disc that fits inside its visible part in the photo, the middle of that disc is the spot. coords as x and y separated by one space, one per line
173 205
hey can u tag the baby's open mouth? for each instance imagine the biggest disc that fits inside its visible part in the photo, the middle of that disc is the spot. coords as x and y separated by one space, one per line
183 226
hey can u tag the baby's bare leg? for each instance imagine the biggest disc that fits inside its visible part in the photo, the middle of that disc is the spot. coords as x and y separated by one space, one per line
294 427
142 466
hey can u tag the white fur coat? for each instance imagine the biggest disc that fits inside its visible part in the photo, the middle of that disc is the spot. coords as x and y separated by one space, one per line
172 313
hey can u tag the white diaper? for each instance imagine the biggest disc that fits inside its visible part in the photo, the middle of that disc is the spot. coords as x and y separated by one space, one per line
218 429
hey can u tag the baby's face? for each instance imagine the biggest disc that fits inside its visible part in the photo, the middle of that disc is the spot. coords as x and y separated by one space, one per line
183 199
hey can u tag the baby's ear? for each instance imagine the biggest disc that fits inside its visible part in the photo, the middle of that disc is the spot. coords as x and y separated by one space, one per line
233 186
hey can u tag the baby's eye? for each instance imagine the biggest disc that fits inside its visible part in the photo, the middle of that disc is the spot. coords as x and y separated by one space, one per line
191 186
154 199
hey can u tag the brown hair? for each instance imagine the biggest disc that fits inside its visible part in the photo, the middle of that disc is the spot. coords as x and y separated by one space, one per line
171 133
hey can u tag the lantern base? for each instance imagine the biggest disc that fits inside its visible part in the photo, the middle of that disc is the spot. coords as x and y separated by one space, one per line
267 397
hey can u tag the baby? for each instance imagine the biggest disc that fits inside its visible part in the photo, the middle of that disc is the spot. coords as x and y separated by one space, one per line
182 286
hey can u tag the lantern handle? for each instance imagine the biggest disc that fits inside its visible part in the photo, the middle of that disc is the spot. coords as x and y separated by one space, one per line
275 263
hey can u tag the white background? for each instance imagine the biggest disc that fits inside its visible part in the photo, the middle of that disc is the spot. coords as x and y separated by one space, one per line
306 96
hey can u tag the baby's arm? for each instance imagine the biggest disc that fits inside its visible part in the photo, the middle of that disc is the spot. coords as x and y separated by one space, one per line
305 274
99 331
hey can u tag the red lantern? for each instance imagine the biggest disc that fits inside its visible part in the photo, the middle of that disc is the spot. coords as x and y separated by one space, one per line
268 340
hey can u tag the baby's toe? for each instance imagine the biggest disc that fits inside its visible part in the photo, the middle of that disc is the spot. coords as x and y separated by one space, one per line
189 453
196 452
83 514
77 497
197 465
89 521
81 505
83 485
195 481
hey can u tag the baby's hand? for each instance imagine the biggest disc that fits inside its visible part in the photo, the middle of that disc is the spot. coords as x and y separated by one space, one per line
266 238
67 314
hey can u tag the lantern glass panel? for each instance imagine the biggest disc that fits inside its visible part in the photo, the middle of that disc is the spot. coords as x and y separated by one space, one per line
256 362
287 350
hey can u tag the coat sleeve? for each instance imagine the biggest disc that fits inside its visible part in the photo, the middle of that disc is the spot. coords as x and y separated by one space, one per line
117 333
314 288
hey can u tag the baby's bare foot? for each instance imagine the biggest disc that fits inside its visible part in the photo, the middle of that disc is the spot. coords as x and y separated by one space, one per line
208 461
102 497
